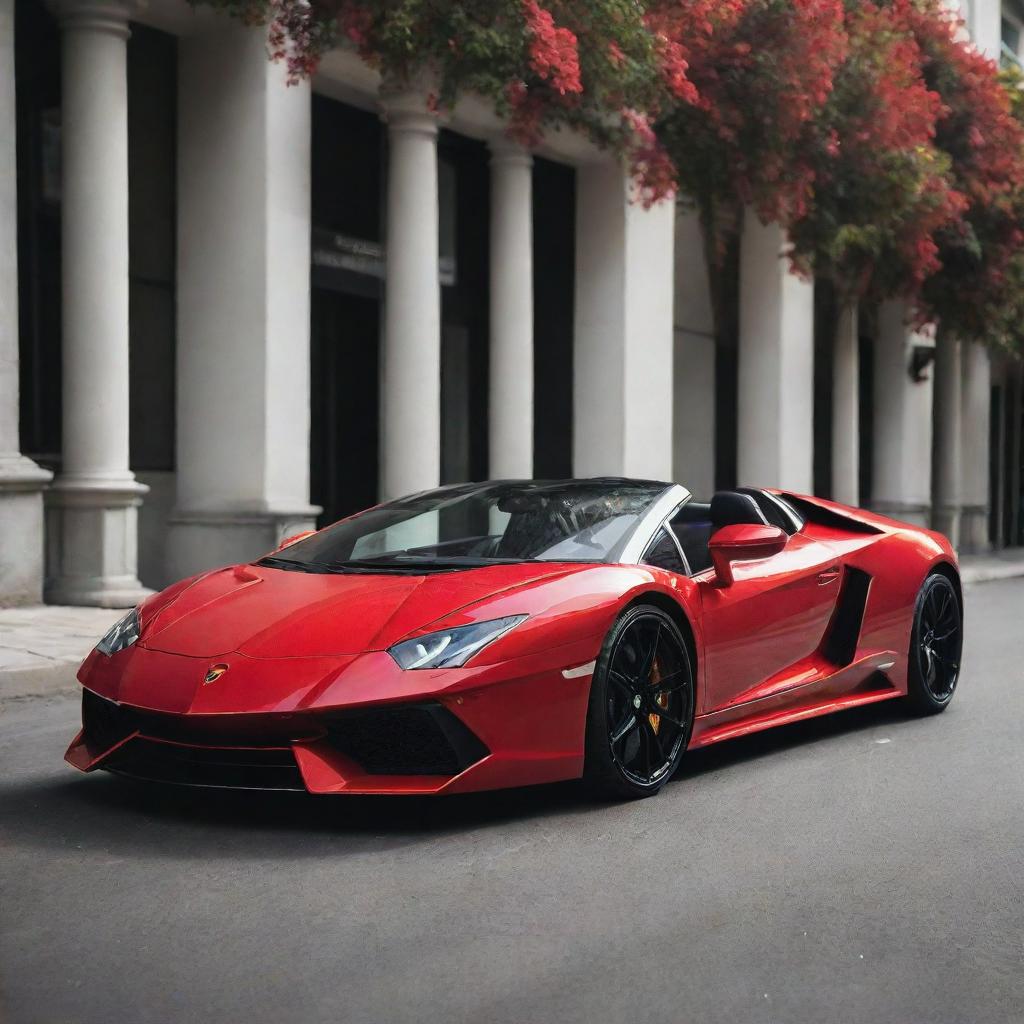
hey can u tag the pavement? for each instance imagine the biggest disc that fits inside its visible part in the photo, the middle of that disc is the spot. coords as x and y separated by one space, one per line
41 647
865 867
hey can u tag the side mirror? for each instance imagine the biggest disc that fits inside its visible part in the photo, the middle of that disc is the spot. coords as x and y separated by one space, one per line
743 542
294 538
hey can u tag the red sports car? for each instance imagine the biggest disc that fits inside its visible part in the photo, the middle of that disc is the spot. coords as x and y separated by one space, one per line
515 632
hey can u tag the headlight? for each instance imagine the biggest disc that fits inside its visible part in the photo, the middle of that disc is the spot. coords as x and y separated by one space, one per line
450 648
121 634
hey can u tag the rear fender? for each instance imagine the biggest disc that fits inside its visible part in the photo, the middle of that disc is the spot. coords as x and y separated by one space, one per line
898 564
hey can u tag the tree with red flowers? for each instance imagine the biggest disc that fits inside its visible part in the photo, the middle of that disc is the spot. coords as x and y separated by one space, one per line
879 188
762 70
976 291
869 129
590 65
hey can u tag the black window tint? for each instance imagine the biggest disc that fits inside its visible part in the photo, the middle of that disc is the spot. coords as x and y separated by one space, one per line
555 521
664 554
693 539
772 509
773 513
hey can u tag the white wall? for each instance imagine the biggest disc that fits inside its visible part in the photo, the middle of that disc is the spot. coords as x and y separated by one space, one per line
622 363
776 365
243 303
693 447
243 275
902 449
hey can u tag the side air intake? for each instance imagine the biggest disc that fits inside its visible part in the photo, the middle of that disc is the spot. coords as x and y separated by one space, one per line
840 644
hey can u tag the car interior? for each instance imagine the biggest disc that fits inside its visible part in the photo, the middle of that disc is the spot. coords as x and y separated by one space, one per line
694 524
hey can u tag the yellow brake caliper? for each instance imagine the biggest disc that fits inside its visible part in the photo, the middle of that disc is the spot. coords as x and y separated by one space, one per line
661 700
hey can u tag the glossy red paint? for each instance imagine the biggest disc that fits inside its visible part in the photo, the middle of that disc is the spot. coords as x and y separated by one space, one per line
743 542
298 649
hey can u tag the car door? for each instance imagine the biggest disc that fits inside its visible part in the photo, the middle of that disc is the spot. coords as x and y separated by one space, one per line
774 614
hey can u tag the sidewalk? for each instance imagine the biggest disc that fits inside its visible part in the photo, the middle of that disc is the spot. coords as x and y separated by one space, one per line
997 565
41 647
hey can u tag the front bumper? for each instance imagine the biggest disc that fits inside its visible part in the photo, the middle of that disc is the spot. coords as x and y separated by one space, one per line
343 725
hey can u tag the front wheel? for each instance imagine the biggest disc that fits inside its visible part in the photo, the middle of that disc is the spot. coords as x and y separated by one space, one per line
936 642
641 706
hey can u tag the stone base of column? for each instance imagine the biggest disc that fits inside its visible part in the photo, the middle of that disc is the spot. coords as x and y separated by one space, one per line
974 529
92 543
204 539
905 512
946 519
21 530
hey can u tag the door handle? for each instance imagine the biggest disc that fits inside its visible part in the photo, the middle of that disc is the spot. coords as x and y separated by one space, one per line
828 576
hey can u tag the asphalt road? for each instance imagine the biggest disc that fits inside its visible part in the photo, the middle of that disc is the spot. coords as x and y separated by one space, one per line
866 867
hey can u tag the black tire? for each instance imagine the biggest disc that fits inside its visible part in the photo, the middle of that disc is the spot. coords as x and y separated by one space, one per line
936 643
641 706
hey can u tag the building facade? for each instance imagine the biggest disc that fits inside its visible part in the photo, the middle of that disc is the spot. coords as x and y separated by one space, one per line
232 309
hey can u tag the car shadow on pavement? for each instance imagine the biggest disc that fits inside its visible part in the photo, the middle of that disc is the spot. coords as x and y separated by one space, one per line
787 737
124 817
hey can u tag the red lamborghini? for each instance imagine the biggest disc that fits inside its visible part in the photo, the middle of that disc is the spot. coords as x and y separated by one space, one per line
516 632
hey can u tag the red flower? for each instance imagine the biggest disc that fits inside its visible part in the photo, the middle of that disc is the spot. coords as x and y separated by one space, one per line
553 54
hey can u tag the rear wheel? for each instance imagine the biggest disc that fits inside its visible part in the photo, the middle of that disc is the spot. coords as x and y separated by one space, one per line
936 642
641 706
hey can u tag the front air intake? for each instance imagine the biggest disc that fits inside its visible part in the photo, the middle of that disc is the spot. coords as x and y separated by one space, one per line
419 739
218 767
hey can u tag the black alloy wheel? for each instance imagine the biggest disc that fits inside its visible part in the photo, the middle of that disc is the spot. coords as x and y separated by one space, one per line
641 705
936 644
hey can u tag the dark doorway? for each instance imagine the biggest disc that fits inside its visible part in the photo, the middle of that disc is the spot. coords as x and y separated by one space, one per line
554 260
349 156
151 92
464 197
344 402
152 251
825 317
725 292
37 77
345 308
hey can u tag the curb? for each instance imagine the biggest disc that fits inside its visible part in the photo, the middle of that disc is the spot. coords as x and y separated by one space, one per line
990 573
58 679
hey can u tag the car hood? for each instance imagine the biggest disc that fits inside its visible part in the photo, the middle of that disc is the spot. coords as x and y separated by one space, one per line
274 613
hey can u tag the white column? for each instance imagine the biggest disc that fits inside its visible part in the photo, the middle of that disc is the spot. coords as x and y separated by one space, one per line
511 364
976 397
411 353
946 462
21 480
243 303
984 22
901 470
984 19
846 408
693 365
776 364
92 539
622 387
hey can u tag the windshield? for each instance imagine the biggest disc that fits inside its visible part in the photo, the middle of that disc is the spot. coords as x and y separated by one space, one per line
481 524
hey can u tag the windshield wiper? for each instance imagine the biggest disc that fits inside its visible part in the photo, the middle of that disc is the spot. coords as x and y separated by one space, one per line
291 564
409 565
406 568
419 563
